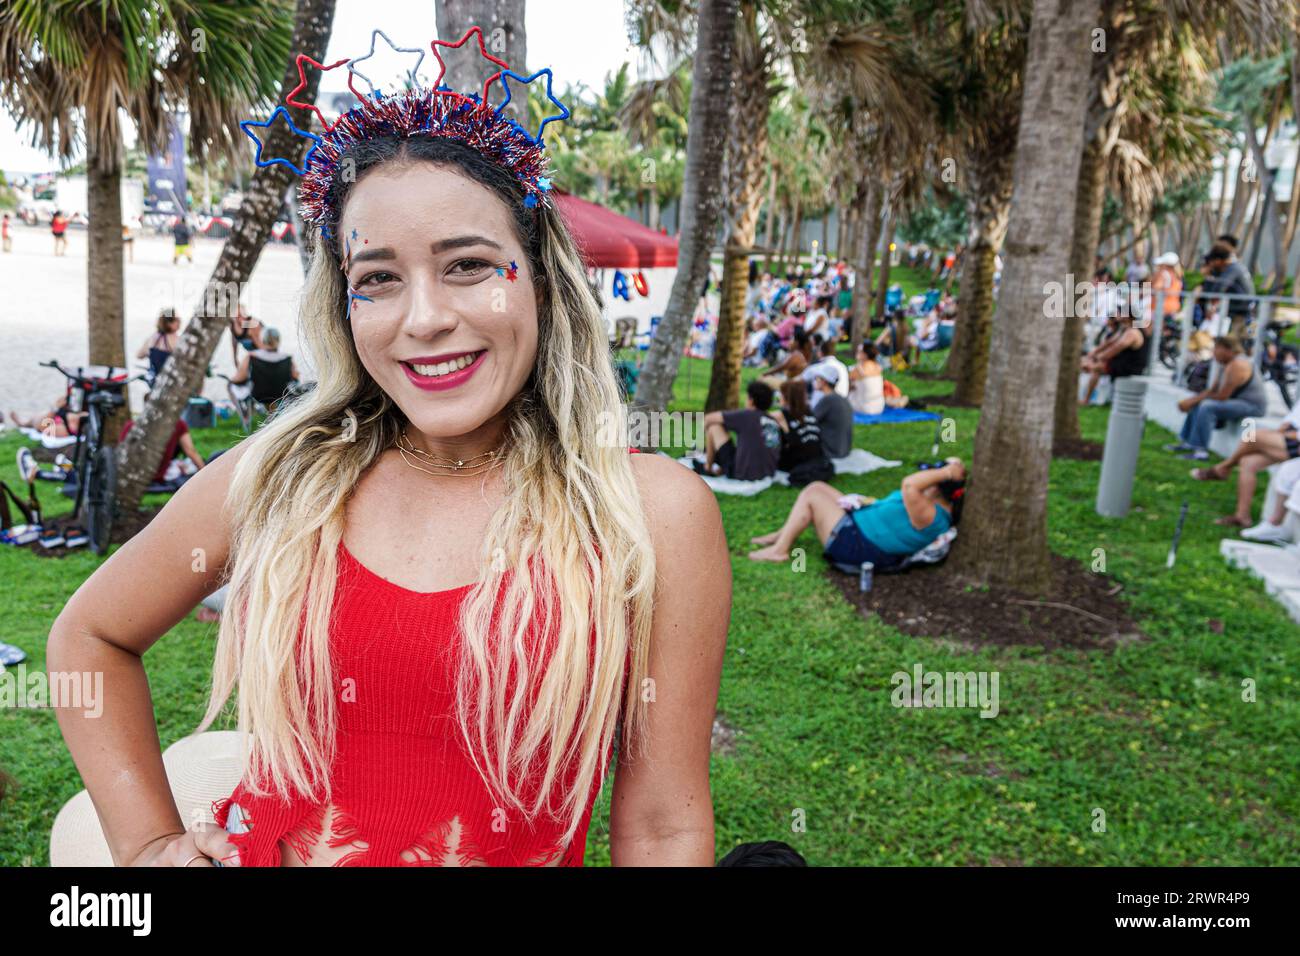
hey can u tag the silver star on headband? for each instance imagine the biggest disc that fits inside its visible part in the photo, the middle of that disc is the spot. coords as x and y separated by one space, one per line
396 49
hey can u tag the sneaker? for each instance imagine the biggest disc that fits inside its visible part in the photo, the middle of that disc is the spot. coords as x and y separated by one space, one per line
27 466
1177 447
51 538
1264 531
75 537
1196 454
63 462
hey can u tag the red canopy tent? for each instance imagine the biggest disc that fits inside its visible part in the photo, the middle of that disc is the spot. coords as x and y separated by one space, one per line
610 241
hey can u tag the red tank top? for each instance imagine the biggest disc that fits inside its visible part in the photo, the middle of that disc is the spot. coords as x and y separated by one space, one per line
401 772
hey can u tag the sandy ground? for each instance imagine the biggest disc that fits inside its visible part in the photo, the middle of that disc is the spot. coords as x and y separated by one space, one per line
43 315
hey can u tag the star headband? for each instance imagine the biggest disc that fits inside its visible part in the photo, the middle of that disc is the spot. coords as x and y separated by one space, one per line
414 112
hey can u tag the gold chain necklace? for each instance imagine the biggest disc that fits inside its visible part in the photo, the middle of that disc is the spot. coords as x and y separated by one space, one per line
456 467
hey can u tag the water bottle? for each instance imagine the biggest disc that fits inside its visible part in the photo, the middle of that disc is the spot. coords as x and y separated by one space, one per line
864 576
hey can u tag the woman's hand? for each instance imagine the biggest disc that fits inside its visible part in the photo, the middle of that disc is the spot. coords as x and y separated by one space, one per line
189 848
956 469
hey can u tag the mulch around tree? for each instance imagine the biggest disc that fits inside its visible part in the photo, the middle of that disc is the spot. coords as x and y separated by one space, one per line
1079 449
125 527
1083 611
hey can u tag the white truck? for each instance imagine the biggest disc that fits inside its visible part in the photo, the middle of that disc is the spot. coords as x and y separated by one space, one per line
70 199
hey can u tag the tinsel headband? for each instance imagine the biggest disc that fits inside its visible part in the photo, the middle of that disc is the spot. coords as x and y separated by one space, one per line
435 112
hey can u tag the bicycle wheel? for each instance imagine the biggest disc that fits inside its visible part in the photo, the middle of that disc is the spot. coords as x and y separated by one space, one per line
101 498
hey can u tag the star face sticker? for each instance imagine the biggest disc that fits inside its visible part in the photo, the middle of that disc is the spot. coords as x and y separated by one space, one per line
442 64
302 85
411 73
248 125
355 296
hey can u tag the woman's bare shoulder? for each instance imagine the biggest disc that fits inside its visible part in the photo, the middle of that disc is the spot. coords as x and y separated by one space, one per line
674 498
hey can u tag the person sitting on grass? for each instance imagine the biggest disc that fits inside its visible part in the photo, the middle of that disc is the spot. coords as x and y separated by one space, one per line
869 393
753 454
802 453
854 529
180 442
1238 392
802 354
828 359
833 412
1267 447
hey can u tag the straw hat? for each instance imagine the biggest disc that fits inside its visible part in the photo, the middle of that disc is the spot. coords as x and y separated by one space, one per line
201 768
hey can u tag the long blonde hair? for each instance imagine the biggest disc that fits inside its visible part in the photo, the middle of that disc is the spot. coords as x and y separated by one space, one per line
569 549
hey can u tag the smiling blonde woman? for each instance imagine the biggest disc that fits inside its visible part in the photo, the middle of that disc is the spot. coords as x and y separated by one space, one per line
450 604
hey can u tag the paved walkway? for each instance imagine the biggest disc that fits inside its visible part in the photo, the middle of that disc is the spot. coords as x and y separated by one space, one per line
43 313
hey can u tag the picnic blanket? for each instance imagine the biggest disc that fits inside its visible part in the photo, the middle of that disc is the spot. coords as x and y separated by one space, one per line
892 416
857 462
49 441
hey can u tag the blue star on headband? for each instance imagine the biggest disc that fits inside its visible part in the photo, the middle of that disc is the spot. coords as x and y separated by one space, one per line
564 110
352 64
247 126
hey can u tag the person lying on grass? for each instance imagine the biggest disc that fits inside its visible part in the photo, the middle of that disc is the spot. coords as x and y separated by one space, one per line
1267 447
854 529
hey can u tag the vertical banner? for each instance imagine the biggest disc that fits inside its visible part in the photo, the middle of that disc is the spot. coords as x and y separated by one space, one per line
167 173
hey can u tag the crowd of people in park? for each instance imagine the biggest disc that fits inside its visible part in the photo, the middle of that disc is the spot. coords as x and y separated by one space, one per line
799 412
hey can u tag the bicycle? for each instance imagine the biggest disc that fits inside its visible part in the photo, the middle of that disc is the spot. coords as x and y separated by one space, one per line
94 464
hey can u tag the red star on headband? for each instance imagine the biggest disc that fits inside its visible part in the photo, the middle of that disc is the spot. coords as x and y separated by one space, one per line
482 49
302 85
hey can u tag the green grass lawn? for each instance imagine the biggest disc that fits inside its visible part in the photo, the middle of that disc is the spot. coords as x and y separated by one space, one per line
1155 735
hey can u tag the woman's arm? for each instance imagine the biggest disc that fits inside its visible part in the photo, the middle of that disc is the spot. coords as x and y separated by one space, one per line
920 507
241 374
662 811
135 597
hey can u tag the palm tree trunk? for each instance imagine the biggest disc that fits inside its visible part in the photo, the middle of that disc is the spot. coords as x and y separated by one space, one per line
1089 195
796 231
1189 240
868 203
992 173
702 198
104 302
826 232
771 216
1004 533
783 238
746 168
886 259
183 374
504 36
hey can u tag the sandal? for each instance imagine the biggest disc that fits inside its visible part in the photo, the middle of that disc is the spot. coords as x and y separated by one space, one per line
1206 474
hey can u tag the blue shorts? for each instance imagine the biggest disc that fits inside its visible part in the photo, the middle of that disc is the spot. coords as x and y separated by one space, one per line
847 548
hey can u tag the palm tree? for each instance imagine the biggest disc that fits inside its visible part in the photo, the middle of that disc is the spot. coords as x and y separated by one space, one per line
183 374
711 90
870 86
68 70
1004 533
977 79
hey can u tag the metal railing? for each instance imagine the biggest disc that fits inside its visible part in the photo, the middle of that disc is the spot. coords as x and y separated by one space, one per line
1261 318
